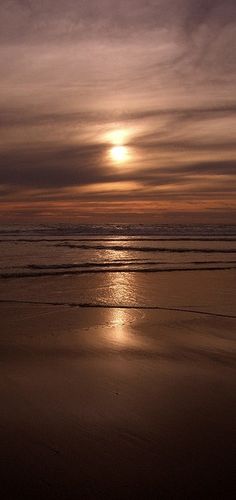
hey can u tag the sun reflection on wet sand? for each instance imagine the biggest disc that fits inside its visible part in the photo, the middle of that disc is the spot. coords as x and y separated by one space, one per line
119 321
122 292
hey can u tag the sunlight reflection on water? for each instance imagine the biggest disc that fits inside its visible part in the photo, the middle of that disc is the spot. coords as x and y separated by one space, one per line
122 291
122 288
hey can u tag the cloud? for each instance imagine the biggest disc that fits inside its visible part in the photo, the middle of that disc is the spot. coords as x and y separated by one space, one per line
74 71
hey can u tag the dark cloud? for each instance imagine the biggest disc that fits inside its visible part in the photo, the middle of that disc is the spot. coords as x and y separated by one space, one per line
55 167
22 117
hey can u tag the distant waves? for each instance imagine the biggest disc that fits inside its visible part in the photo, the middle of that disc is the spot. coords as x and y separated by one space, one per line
129 230
59 250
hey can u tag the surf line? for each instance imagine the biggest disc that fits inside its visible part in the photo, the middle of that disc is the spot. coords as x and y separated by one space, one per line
114 306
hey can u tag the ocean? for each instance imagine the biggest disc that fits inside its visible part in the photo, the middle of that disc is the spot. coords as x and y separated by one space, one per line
117 265
118 248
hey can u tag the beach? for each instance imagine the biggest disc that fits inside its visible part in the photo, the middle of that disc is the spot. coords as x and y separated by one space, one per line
117 250
117 384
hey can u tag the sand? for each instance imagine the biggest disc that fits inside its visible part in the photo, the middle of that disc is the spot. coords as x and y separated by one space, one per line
115 403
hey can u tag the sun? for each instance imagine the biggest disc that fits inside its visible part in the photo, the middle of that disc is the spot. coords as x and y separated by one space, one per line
119 153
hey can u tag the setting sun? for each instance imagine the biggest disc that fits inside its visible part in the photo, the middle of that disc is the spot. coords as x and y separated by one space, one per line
119 153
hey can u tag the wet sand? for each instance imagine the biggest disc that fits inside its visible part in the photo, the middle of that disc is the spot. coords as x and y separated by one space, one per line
115 403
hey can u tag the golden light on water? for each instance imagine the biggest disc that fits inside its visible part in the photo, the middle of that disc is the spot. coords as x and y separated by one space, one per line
122 291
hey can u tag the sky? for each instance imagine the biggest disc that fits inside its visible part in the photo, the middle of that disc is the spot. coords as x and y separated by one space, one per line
118 111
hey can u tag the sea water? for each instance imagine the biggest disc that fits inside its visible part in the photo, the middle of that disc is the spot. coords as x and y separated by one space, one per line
188 266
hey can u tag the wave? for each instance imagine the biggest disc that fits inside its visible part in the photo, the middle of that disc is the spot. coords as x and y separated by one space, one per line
118 248
122 263
122 239
124 229
67 271
118 306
